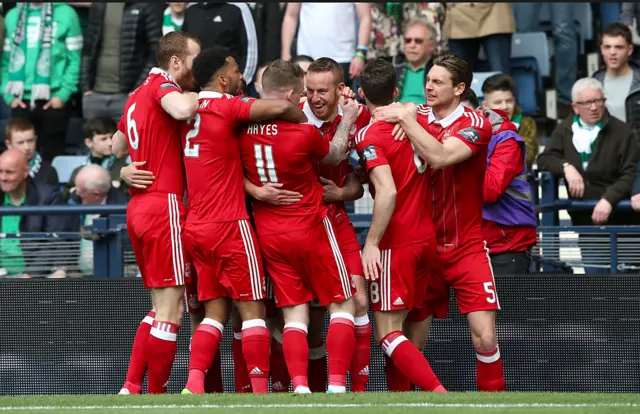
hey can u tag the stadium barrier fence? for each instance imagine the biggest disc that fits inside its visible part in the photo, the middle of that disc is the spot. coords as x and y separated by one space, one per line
556 332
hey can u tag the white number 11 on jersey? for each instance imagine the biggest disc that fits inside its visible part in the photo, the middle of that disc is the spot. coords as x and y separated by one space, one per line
267 173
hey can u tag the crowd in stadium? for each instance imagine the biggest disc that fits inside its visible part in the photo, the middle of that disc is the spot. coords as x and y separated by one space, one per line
263 222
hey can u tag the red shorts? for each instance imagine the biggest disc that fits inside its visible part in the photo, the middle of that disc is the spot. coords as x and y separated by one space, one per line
349 246
226 259
306 263
471 277
154 223
404 278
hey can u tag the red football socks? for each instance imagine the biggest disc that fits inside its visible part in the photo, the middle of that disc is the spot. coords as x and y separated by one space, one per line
279 374
204 346
396 380
341 342
410 361
241 375
489 371
359 369
161 351
256 343
296 352
213 378
318 368
138 360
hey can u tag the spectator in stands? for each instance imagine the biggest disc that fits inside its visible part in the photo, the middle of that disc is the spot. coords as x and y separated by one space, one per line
98 133
500 93
469 25
119 52
471 100
304 61
509 221
413 66
621 78
267 18
631 12
173 17
21 135
389 22
329 30
40 68
595 153
93 186
225 24
565 44
22 257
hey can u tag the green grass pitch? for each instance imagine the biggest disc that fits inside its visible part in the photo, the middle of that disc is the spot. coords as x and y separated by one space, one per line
370 403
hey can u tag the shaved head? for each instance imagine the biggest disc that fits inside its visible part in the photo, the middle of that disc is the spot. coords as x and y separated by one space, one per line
93 178
14 169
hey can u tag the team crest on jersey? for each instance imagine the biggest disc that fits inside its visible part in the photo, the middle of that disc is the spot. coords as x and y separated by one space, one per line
470 134
193 302
369 153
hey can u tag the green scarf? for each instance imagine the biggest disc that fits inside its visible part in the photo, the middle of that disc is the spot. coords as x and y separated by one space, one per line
517 120
40 89
169 23
584 139
35 164
106 162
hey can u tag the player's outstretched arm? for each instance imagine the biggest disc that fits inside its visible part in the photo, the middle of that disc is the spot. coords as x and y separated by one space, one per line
119 146
265 109
436 154
180 106
338 145
383 205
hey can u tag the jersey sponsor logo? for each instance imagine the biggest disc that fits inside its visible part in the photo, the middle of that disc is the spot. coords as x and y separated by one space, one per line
369 153
470 134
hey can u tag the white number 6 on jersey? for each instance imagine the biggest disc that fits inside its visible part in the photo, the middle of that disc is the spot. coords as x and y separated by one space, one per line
132 130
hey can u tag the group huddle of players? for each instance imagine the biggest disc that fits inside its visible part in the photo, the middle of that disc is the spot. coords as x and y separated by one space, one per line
297 255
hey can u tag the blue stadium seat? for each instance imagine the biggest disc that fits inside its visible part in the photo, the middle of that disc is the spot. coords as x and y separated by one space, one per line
525 77
478 80
65 164
532 45
529 64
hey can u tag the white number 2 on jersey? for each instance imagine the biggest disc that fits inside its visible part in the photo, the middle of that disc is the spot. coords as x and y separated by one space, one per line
266 172
132 130
192 151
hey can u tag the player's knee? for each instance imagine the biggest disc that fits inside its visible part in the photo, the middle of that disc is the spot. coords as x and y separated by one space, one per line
361 303
485 340
347 306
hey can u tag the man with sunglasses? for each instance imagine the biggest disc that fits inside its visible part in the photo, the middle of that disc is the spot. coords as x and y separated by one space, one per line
412 67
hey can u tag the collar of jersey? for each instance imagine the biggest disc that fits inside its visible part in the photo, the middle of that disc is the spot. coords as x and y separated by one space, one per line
314 120
212 95
448 120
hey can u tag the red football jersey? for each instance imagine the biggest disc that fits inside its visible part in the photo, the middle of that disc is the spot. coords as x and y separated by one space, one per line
458 189
215 182
284 152
153 135
412 218
337 173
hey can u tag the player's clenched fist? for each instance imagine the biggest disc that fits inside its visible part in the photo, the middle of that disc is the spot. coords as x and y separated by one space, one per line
371 262
349 109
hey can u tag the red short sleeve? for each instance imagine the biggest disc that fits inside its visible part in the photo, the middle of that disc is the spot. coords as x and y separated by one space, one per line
370 152
240 108
317 143
122 127
164 88
474 131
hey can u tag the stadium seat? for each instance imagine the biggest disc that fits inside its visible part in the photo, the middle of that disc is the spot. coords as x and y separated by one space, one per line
582 17
526 87
65 164
478 80
529 63
532 45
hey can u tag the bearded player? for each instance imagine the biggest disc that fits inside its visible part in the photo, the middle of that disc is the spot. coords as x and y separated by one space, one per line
455 144
299 245
149 131
218 235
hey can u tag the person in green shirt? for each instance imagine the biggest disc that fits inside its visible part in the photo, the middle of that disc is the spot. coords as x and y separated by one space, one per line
173 17
412 68
41 67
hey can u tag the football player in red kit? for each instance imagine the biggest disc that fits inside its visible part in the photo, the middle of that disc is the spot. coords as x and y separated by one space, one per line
455 144
218 236
149 131
400 249
300 249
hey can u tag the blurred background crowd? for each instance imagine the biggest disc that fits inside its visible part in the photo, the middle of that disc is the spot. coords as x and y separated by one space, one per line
68 68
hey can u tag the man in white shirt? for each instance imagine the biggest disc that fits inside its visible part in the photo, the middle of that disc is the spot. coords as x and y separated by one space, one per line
329 30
